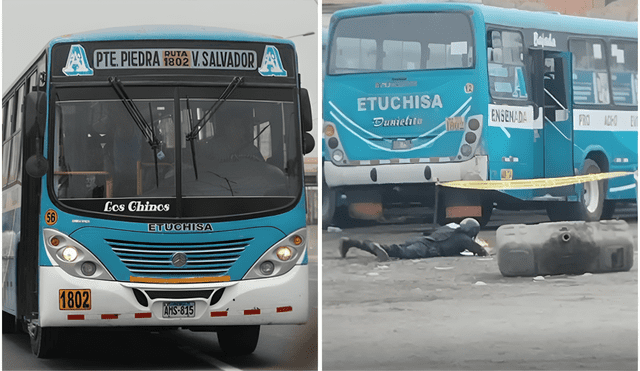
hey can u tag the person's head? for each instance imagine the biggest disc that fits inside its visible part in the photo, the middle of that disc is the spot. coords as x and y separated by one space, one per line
470 227
235 123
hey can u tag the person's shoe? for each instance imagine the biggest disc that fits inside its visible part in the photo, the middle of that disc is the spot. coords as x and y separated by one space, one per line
381 253
343 247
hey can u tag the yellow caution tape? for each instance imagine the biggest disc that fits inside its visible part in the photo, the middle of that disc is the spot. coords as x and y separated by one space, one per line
533 183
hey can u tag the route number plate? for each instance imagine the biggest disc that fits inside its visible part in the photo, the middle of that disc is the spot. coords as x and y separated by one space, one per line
74 299
181 309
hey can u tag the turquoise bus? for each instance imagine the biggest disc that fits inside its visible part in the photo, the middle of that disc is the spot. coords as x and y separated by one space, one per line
416 95
153 178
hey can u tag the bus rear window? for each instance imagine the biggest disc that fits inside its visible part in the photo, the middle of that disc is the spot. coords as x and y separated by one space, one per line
401 42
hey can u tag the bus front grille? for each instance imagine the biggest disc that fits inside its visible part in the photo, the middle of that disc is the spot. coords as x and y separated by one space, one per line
156 258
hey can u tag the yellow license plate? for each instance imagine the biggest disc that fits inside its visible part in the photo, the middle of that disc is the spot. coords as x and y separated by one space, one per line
75 299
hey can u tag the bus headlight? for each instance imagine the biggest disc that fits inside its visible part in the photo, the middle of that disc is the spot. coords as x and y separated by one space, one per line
69 253
284 253
72 257
281 257
267 268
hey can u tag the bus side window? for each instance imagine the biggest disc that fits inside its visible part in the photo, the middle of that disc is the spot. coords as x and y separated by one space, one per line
505 52
6 145
624 72
590 76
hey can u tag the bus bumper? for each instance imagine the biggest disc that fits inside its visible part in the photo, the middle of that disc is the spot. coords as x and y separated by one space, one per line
278 300
405 172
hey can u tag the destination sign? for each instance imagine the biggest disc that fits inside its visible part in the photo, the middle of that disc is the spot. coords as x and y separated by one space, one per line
219 59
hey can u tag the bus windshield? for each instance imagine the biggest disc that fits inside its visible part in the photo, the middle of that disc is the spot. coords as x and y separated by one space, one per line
239 148
402 42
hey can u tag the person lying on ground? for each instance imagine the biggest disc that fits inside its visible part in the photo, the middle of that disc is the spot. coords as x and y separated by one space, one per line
448 240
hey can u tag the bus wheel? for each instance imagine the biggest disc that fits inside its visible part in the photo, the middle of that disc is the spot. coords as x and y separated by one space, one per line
238 340
591 202
328 204
43 340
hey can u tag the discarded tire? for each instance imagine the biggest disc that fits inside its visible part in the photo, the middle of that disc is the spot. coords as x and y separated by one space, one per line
564 248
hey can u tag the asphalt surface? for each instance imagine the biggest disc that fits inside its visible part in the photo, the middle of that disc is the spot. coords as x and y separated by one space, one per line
460 313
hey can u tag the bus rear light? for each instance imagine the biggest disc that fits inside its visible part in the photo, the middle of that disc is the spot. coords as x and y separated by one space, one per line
474 124
143 315
337 155
329 130
333 143
465 150
251 312
222 313
284 309
470 137
75 317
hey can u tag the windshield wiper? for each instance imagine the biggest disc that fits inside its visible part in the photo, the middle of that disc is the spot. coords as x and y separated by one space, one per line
192 143
211 111
145 128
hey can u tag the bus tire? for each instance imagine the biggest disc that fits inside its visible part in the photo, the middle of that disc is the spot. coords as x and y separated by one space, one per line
591 201
608 210
43 340
328 205
238 340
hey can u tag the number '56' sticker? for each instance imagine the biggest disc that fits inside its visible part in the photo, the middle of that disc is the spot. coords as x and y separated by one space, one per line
51 217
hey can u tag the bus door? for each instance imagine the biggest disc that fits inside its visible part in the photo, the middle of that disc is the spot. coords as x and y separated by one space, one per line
557 120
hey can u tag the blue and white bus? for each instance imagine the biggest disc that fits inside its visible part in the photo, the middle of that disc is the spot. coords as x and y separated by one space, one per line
153 177
421 94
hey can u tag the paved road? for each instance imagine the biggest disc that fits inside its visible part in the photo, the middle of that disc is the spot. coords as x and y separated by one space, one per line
460 313
280 347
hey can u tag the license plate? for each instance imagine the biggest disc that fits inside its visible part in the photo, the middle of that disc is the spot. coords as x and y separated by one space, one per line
74 299
402 144
180 309
455 123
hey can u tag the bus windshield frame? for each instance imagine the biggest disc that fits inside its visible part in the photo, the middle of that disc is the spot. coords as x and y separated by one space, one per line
420 41
210 178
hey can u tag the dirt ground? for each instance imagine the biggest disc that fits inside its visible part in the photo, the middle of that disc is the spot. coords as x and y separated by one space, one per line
460 313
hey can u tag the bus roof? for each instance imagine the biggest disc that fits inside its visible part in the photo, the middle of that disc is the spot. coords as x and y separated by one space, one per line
164 32
508 17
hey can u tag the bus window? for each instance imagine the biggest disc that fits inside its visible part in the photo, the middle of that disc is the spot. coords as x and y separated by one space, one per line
416 41
506 65
400 55
32 82
15 168
10 117
624 72
6 152
355 54
19 109
590 80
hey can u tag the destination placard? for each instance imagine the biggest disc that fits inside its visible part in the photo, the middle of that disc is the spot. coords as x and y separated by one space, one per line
218 59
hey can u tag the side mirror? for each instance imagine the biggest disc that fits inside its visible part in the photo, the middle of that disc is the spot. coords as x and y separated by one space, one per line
308 143
305 110
36 166
35 114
